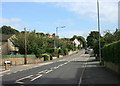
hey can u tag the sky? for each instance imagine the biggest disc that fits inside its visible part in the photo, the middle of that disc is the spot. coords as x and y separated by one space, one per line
78 17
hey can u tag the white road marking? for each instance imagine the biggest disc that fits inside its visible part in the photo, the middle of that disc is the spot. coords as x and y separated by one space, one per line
48 71
55 67
80 80
17 81
20 82
52 68
36 77
42 71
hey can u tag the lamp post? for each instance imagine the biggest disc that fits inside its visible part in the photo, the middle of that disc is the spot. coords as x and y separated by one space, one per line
57 35
99 29
57 29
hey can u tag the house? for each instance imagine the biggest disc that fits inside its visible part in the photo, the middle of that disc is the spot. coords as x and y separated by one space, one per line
7 46
76 42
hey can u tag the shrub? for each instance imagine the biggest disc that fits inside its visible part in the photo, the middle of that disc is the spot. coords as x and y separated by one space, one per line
46 57
65 51
111 52
60 52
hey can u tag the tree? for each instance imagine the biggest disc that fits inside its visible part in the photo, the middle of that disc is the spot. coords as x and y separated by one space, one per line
116 35
35 44
94 35
108 37
82 40
79 38
8 30
74 37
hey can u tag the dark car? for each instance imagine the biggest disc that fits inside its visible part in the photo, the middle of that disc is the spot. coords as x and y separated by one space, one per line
86 52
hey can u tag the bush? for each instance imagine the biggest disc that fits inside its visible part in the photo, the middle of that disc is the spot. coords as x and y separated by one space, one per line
50 50
65 51
60 52
46 57
111 52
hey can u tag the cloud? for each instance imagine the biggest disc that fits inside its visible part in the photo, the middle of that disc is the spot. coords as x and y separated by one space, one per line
66 22
9 21
56 0
70 34
88 10
15 23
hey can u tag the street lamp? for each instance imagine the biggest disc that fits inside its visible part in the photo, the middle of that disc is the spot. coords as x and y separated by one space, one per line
57 29
99 30
57 35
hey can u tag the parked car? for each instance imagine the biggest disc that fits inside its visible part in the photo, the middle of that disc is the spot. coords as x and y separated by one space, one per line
86 51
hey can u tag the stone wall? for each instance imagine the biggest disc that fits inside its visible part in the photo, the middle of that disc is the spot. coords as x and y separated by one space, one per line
20 61
113 67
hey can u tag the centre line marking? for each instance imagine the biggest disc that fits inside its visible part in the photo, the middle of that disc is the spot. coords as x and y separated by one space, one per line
23 78
36 78
48 71
42 71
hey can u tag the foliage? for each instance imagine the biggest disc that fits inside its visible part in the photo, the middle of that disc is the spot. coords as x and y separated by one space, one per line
111 52
108 37
65 51
46 57
93 36
79 38
60 52
96 46
8 30
35 43
117 35
104 40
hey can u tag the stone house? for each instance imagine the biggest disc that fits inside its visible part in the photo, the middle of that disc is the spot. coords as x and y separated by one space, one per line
7 47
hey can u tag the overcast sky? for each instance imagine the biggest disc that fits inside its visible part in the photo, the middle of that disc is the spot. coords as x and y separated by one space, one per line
79 17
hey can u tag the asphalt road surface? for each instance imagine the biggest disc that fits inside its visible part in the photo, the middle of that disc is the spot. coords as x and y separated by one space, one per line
65 71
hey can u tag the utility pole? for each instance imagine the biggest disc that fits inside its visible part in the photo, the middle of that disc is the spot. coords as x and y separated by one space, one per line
25 46
99 30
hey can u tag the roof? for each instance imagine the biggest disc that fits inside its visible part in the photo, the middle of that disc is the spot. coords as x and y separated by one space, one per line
6 37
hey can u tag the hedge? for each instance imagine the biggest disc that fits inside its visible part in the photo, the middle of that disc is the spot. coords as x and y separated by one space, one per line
111 52
46 57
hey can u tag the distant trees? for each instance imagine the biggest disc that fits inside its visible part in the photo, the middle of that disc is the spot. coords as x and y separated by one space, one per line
41 43
93 42
8 30
79 38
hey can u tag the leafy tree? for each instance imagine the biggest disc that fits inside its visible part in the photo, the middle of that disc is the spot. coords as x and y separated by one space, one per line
94 35
73 38
8 30
82 40
35 44
108 37
116 35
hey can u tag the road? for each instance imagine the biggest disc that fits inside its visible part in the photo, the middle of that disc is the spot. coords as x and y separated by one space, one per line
64 71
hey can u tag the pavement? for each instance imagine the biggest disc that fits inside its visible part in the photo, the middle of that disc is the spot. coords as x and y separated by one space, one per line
78 69
97 75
